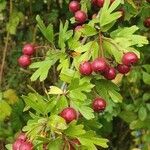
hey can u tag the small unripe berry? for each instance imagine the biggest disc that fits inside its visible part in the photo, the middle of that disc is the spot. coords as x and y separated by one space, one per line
26 146
69 114
147 22
129 58
99 65
24 61
74 6
28 49
123 69
80 16
85 68
99 105
110 74
78 28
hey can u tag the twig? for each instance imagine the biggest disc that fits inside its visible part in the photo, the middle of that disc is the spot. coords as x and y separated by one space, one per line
100 45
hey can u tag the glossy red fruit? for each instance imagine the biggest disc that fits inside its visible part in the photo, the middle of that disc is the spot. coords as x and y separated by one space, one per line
123 69
16 145
26 146
99 105
85 68
22 136
129 58
100 3
24 61
110 74
99 65
147 22
69 114
80 16
28 49
77 28
74 6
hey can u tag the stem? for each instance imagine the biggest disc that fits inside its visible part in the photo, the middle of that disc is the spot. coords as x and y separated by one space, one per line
100 45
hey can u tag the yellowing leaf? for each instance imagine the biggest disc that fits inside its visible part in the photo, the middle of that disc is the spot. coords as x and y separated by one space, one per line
55 90
11 96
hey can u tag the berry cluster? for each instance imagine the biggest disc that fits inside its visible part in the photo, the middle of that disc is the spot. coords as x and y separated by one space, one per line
70 114
22 143
25 60
100 65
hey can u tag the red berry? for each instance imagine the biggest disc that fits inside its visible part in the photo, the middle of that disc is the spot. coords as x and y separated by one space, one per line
24 61
74 6
28 49
94 2
26 146
80 16
129 58
100 3
22 136
147 22
69 114
16 145
99 104
77 28
99 65
85 68
110 74
123 68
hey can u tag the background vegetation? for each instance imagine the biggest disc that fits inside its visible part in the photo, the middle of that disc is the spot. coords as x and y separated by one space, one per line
127 128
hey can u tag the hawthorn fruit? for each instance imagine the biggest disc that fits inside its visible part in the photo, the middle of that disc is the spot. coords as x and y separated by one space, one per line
74 6
80 16
110 74
99 65
24 61
69 114
28 49
26 146
129 58
147 22
85 68
123 69
99 104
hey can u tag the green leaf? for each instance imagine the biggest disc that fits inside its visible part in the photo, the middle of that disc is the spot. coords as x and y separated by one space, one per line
74 130
36 102
88 30
146 77
146 96
57 123
142 113
89 139
146 67
46 31
56 144
55 90
125 37
43 67
2 5
106 15
5 110
115 96
60 105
